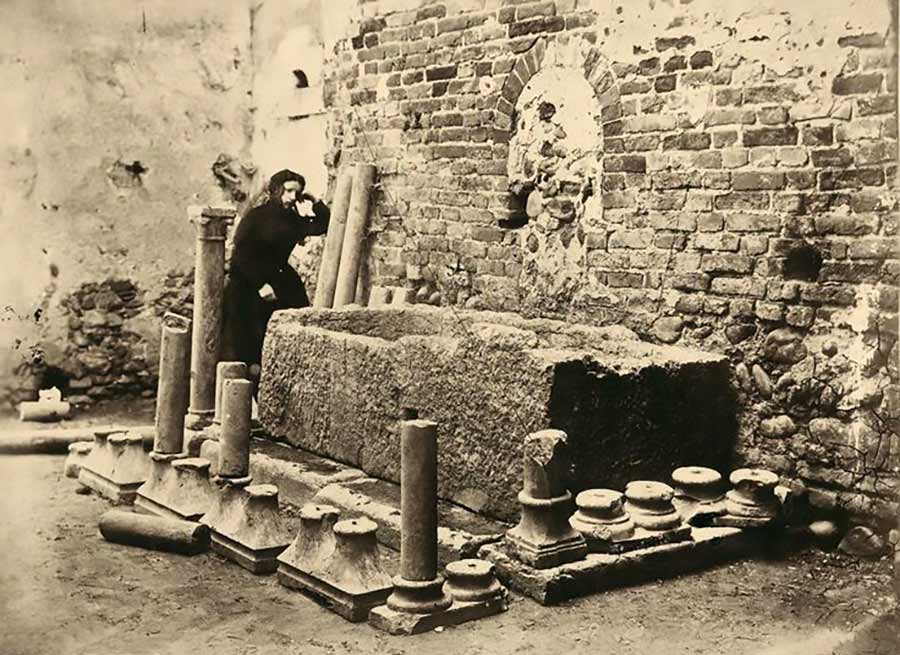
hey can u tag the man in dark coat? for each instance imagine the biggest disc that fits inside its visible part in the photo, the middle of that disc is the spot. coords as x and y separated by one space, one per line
263 241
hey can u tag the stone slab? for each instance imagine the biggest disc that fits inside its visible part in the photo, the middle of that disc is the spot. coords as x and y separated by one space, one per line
354 607
258 561
647 539
117 493
460 532
337 381
402 623
600 571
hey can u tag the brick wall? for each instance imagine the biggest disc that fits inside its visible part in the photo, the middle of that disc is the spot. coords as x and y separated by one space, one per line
737 193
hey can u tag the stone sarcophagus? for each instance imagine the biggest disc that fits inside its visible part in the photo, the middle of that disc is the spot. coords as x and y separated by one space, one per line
338 382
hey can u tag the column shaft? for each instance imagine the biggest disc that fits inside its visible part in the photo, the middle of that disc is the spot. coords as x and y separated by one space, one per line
418 500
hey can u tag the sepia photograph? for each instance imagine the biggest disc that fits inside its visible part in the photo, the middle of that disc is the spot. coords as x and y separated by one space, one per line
476 327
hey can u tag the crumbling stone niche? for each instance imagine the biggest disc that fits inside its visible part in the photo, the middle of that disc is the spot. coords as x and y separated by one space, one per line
553 160
560 95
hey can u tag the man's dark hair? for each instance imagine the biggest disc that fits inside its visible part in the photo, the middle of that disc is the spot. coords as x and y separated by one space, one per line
277 182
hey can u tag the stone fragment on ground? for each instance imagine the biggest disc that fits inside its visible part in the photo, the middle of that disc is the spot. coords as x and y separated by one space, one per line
861 541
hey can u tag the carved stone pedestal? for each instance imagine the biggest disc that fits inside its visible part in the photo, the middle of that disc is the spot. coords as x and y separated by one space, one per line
244 524
120 466
178 487
339 563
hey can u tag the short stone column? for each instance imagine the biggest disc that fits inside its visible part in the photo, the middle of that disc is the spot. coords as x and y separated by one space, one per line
650 505
418 588
226 371
752 501
78 455
601 519
699 496
211 224
172 396
544 538
473 581
234 441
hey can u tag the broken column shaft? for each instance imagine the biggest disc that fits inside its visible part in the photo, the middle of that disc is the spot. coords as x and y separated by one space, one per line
211 225
234 442
543 538
226 371
174 382
418 587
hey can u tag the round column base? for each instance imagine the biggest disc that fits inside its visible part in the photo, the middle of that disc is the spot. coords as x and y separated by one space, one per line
418 596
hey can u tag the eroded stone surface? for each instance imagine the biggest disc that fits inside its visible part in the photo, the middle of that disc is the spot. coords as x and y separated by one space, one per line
335 381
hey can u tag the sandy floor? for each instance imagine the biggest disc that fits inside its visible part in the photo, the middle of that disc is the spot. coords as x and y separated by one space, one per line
63 589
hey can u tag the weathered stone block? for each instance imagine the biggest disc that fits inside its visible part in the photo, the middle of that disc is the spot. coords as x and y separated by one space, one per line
335 382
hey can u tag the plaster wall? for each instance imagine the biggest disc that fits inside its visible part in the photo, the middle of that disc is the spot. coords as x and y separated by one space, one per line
114 115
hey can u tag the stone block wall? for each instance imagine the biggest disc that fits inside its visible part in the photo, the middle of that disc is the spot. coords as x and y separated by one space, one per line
718 175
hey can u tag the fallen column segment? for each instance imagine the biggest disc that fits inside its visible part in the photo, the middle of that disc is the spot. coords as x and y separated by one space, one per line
153 532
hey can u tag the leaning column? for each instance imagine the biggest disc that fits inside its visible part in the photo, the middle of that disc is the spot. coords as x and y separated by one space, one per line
211 225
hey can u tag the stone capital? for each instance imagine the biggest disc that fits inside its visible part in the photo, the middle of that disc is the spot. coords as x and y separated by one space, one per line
211 222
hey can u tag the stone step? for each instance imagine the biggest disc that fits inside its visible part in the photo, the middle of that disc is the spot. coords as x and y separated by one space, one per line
303 477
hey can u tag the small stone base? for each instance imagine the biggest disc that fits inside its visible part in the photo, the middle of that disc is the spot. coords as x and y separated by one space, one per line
402 623
118 493
600 571
644 539
260 562
353 607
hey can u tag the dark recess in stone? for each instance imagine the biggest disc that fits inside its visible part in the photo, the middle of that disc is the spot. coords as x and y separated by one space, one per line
643 426
803 263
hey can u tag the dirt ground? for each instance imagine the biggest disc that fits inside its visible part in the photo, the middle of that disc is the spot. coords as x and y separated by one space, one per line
64 590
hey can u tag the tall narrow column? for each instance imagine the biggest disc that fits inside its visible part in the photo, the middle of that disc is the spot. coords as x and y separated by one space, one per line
331 255
354 234
234 443
418 587
418 500
211 225
174 381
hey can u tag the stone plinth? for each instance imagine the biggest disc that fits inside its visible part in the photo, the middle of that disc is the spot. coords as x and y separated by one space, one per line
177 487
474 589
335 381
705 548
78 455
245 526
543 537
340 564
121 467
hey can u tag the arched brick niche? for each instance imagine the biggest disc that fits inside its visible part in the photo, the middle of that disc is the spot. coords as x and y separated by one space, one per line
557 103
